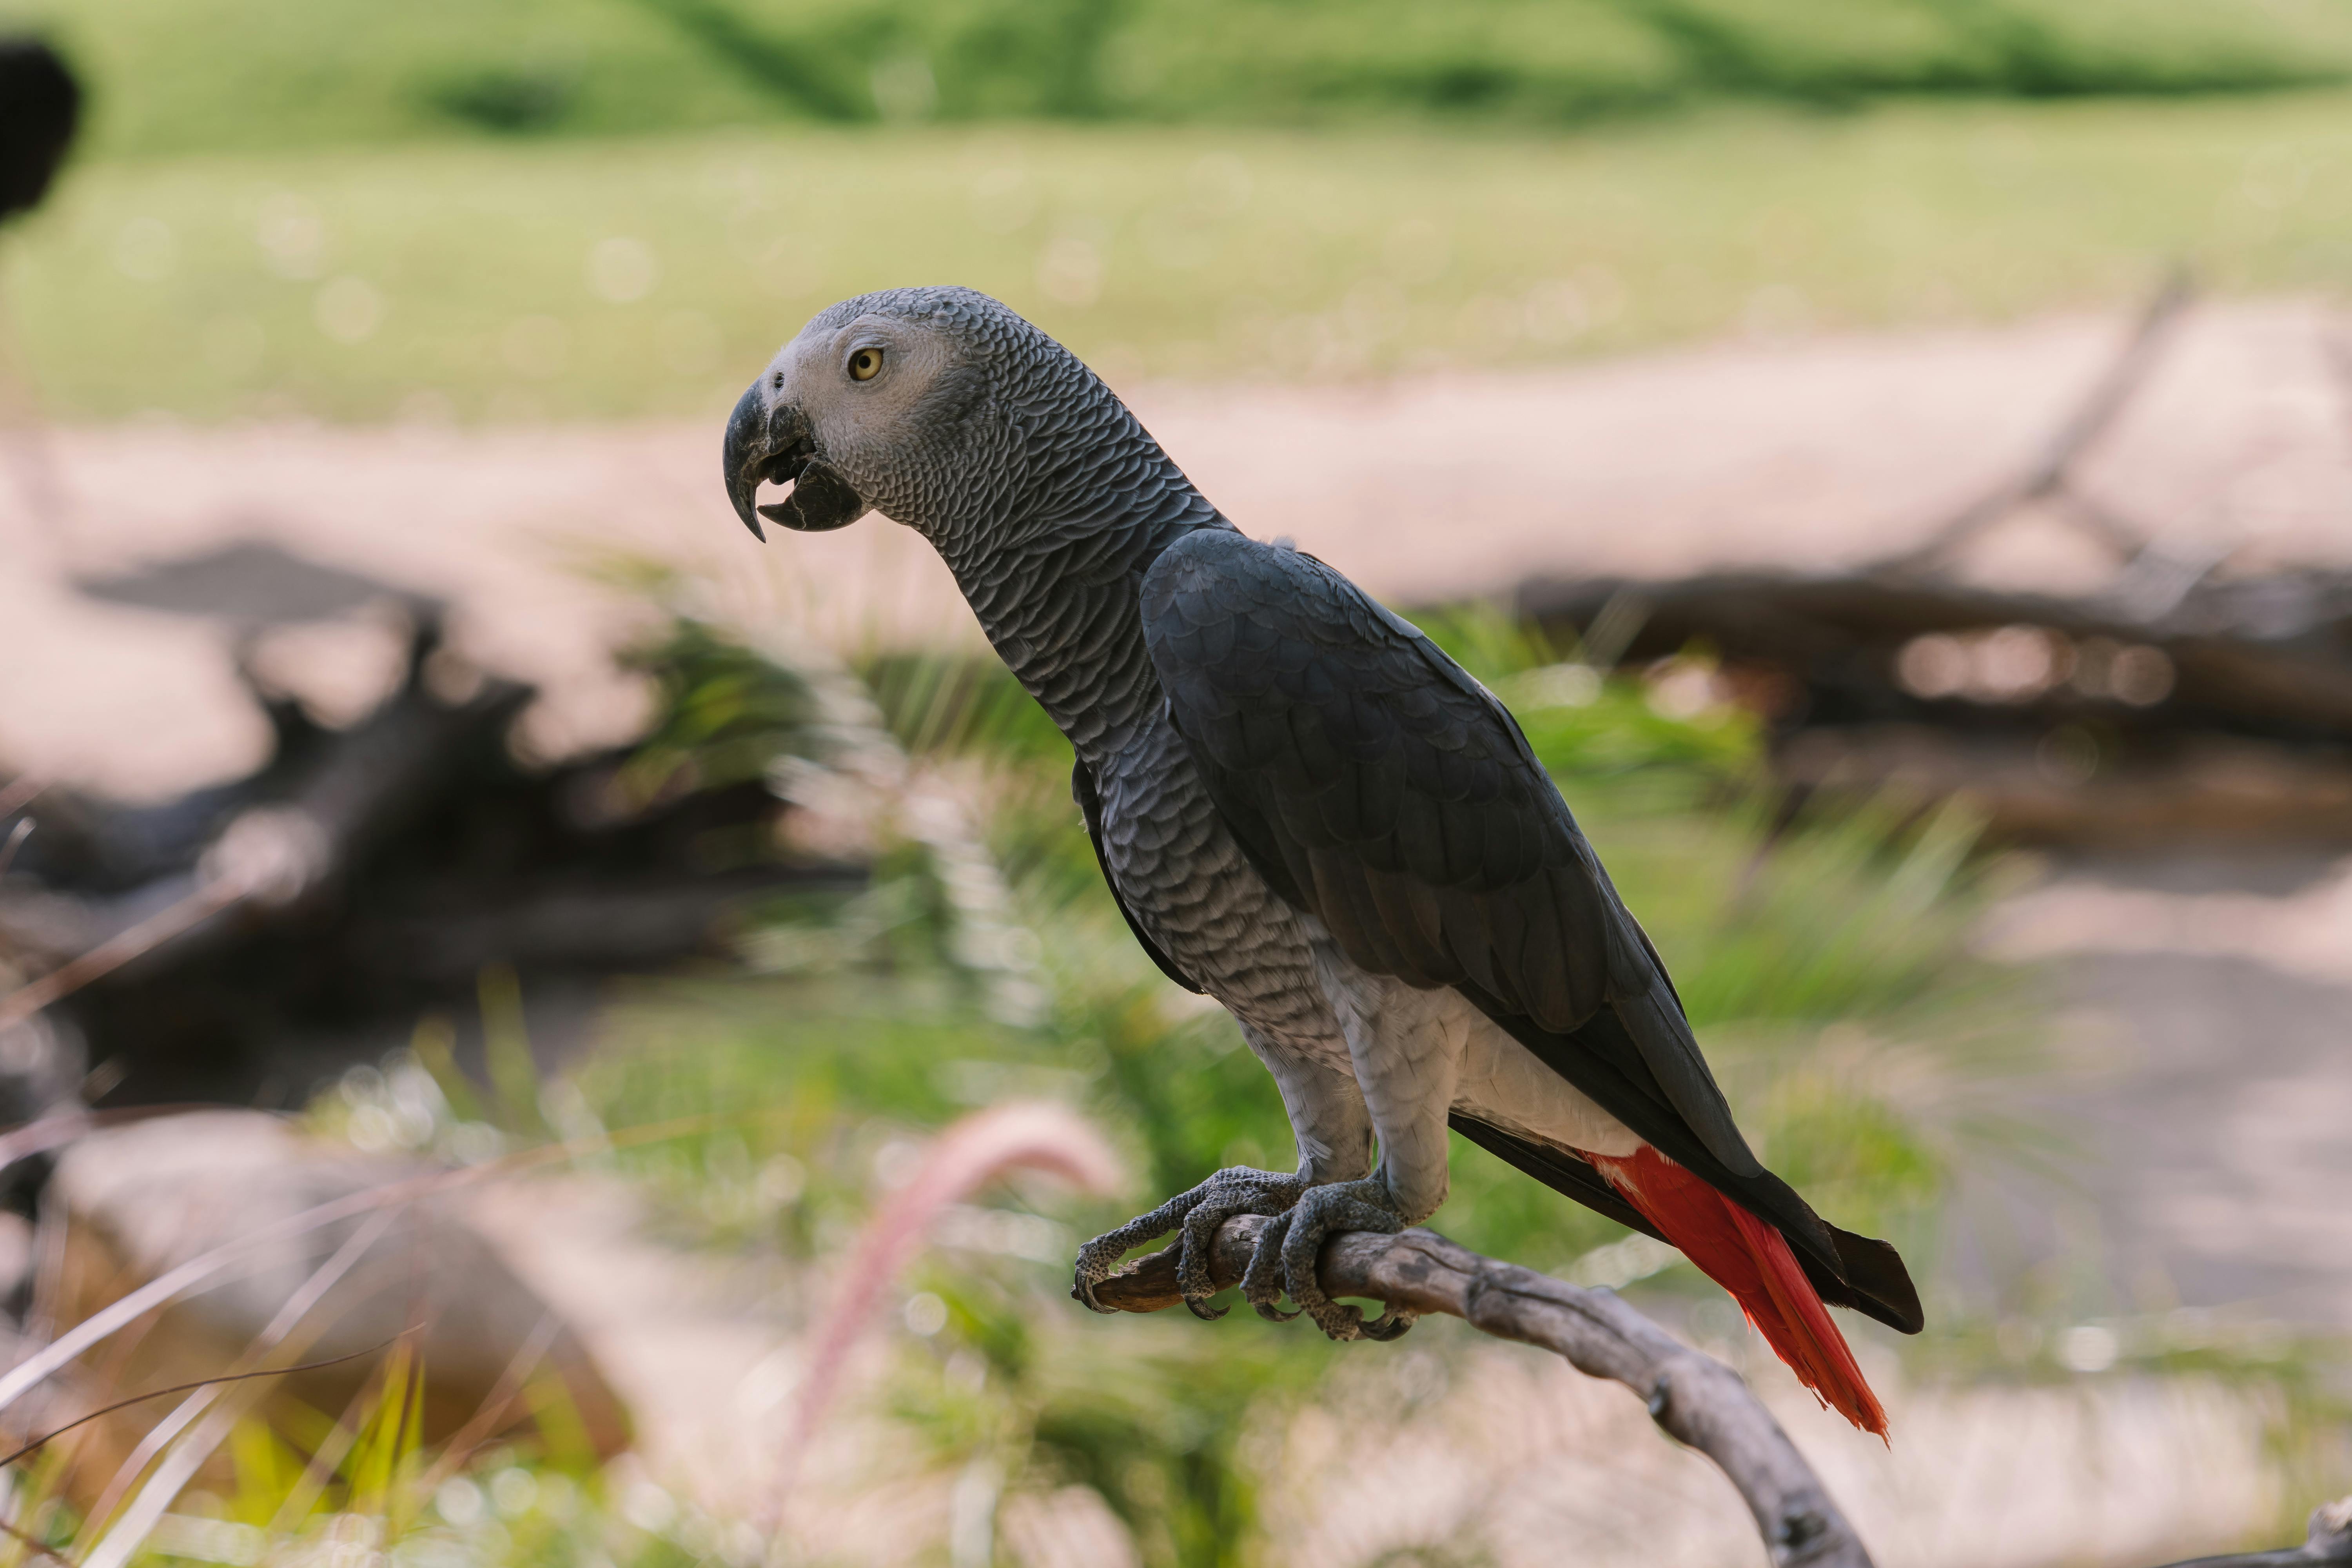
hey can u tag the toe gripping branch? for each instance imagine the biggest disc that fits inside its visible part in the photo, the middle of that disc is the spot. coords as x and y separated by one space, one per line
1194 1216
1298 1218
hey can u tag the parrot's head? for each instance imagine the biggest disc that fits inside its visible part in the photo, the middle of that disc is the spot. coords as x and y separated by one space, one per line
917 403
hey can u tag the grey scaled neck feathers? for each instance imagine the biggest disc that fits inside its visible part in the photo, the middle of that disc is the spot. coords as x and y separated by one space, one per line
1048 500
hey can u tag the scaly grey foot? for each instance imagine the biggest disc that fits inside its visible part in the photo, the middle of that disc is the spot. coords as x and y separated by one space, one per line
1195 1215
1295 1240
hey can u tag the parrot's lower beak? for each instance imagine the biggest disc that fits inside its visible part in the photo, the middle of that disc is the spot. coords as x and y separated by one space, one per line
774 445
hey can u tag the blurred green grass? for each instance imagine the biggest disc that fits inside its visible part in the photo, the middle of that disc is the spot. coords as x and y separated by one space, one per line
652 277
177 75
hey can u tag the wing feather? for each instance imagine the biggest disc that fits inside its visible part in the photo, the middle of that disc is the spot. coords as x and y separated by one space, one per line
1083 791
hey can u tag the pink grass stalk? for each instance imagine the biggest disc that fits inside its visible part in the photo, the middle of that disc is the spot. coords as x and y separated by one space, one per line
1021 1135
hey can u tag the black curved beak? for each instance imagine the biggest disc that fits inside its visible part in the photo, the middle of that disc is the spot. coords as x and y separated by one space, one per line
774 445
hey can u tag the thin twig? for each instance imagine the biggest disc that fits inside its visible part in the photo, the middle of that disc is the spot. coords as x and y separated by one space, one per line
38 1545
116 950
1694 1399
2046 475
183 1387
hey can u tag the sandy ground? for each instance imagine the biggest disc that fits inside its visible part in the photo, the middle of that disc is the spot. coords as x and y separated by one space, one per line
2205 1096
1800 455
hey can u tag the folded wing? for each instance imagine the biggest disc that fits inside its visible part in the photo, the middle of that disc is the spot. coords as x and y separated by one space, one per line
1378 786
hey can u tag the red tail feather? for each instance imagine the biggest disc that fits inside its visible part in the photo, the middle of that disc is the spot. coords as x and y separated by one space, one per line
1749 1259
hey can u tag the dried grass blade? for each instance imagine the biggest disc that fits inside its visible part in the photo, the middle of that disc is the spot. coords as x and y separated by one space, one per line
202 1267
51 1437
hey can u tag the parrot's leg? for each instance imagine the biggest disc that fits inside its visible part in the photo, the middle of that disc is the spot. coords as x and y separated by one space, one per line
1406 1047
1287 1254
1334 1133
1195 1215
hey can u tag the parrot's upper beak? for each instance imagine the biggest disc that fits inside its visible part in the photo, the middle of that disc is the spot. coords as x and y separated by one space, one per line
774 444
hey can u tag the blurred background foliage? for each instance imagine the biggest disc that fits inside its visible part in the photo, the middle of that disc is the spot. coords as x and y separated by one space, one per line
217 74
611 208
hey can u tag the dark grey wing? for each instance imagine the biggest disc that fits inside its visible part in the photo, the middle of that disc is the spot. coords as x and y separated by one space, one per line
1082 790
1379 787
1383 789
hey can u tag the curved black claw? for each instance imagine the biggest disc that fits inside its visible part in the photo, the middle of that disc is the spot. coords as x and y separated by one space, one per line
1195 1216
1297 1240
1262 1280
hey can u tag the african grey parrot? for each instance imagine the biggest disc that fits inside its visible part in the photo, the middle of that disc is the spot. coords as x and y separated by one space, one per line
1309 812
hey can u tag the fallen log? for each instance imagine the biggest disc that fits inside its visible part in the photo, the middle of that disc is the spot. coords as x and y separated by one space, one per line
2253 658
255 937
2169 660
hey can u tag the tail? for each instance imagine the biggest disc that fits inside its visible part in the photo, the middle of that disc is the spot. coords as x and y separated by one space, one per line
1749 1259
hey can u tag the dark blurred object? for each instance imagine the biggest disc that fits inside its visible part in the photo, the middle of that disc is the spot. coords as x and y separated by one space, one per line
2225 717
290 925
2176 705
250 584
508 102
41 105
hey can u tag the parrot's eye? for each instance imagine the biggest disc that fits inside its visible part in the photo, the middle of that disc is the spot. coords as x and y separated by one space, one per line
865 365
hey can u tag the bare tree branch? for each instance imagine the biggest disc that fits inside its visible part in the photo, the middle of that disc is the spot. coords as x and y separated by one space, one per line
2046 475
1695 1398
2330 1542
